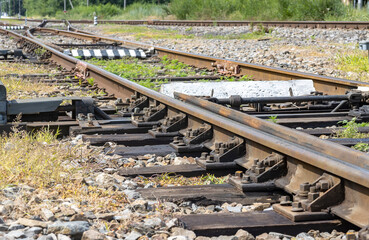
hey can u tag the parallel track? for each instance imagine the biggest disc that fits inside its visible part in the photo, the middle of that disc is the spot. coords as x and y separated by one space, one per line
293 24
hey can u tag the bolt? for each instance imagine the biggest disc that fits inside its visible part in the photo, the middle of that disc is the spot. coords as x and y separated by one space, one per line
90 117
312 196
210 159
297 207
246 178
350 235
118 101
203 155
238 174
255 162
285 201
322 185
304 187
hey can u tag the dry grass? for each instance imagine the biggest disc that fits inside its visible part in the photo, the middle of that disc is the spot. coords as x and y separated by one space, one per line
49 165
33 159
142 32
20 89
22 68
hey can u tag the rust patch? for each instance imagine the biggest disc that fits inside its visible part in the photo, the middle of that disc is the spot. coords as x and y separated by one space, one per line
227 67
81 70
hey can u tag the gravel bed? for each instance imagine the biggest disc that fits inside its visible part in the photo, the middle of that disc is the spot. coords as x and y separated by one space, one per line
306 50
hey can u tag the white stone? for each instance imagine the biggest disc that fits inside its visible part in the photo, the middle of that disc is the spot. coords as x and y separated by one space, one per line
244 89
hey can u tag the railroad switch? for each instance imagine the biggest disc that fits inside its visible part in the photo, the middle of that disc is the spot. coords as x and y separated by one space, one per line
44 109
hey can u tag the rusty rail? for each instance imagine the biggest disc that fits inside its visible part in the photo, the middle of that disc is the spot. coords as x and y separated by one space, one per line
209 23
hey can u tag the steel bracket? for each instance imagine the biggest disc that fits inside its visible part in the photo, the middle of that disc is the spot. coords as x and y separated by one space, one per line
128 106
226 67
261 174
193 139
170 126
224 151
149 116
313 200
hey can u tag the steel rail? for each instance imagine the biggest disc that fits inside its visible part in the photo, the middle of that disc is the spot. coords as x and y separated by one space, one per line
323 156
328 85
210 23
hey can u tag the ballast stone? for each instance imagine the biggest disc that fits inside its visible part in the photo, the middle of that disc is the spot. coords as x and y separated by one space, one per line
244 89
68 228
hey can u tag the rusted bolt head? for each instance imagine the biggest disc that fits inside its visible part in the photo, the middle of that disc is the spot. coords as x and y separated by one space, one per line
238 174
285 201
297 207
203 155
256 160
245 178
312 189
304 187
312 196
324 185
259 170
351 235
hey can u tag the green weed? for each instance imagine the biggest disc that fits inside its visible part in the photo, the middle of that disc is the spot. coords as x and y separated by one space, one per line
132 68
357 61
273 119
257 10
351 129
91 81
364 147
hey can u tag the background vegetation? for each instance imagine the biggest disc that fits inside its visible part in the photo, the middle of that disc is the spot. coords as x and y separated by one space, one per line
194 9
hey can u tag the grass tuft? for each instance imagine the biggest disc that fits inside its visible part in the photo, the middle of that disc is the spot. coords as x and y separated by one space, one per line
35 159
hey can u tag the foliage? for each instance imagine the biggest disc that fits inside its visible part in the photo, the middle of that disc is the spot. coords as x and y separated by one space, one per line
273 119
31 157
139 10
132 68
364 147
351 129
91 81
142 32
256 9
87 12
356 61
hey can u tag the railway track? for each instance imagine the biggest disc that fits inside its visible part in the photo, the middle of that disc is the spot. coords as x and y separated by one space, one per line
313 183
293 24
